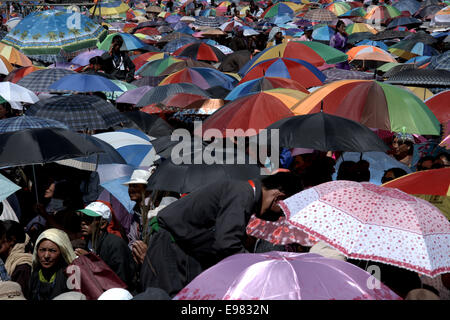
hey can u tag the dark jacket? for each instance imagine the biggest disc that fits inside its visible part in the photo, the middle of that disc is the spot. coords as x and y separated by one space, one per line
22 275
114 68
115 253
210 223
47 291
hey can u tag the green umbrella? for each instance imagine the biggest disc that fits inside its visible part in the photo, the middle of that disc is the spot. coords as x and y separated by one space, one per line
156 67
388 66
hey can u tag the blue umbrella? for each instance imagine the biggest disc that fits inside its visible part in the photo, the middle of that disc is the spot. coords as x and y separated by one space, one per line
130 42
408 5
379 163
173 18
28 122
403 21
420 60
379 44
84 83
176 44
7 187
282 19
323 33
120 191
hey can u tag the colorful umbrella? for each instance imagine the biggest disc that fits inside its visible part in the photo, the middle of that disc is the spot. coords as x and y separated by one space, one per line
156 67
368 222
320 15
279 9
313 52
205 78
83 58
109 8
374 104
262 84
123 86
5 66
78 112
14 56
380 14
253 112
366 52
299 70
159 93
143 58
130 42
283 276
360 27
83 83
40 80
51 33
408 49
176 44
12 92
379 44
438 104
339 8
200 51
17 74
133 145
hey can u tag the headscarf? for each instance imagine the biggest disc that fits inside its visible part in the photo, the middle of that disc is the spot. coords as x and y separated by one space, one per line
17 256
61 239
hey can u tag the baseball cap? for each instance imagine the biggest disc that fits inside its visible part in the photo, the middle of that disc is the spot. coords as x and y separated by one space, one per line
139 176
97 209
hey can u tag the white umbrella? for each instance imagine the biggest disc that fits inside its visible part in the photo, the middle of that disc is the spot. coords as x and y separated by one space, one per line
13 92
250 32
11 23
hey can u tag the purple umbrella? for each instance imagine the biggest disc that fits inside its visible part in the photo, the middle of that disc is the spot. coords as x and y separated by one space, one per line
83 58
65 65
285 276
134 95
173 18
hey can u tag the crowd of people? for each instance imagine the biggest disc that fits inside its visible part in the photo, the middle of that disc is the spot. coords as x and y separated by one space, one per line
170 238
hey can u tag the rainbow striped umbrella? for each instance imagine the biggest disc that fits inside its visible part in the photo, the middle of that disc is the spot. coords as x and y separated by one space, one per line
14 56
409 49
281 8
205 78
369 53
339 8
156 67
381 14
360 27
355 12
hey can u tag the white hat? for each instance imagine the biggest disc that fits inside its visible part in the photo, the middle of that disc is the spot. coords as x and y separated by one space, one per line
116 294
139 176
97 209
71 295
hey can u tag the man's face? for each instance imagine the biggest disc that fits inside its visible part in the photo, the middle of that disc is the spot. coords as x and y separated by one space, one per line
270 210
135 191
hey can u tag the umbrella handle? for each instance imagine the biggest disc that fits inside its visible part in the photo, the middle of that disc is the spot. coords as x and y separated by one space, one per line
35 184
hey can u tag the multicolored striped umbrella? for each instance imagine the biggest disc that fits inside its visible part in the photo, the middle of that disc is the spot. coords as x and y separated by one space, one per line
142 59
130 42
156 67
299 70
380 14
205 78
339 8
281 8
14 56
374 104
360 27
353 13
369 53
408 49
5 66
200 51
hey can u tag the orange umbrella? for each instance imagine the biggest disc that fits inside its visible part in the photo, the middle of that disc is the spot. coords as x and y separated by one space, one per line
369 53
19 73
5 66
14 56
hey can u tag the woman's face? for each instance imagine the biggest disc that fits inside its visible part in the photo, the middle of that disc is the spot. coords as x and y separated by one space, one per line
50 191
48 254
341 28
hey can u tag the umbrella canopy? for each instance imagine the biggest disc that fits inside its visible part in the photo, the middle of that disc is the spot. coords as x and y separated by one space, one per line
379 44
28 122
186 178
390 34
148 81
14 56
84 83
280 275
380 14
371 53
374 104
7 187
185 63
17 74
299 70
422 77
200 51
253 113
323 33
441 61
142 59
78 112
205 78
156 67
335 74
438 104
109 8
325 132
132 96
412 6
151 124
40 80
353 13
133 145
262 84
428 11
31 146
279 9
83 58
13 92
5 66
313 52
431 182
360 27
320 15
130 42
176 44
442 17
408 49
339 8
159 93
123 87
388 226
403 21
52 31
360 36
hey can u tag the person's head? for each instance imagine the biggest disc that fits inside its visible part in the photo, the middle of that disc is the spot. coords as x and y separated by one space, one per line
308 32
137 185
354 171
425 163
95 63
277 187
392 173
5 110
340 26
445 158
278 35
116 43
53 249
13 234
402 146
95 217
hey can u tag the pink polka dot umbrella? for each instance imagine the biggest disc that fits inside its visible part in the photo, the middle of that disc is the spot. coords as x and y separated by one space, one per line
369 222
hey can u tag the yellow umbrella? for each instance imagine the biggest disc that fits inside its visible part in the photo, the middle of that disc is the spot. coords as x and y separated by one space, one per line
109 9
14 56
421 93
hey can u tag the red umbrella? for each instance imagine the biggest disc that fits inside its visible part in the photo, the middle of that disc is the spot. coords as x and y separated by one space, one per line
255 111
17 74
148 31
152 108
142 59
438 104
182 100
200 51
298 70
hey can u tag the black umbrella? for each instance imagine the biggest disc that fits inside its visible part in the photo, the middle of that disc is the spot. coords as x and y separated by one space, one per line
218 92
389 34
326 132
148 81
185 178
42 145
159 93
164 145
391 72
151 124
422 77
422 36
428 10
359 36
